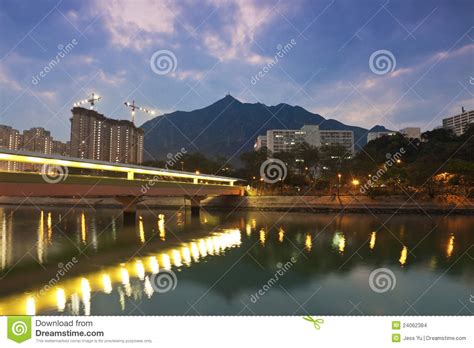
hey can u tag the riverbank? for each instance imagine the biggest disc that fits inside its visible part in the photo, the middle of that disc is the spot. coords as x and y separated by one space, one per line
441 205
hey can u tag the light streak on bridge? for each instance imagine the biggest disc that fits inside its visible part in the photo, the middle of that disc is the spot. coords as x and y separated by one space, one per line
130 169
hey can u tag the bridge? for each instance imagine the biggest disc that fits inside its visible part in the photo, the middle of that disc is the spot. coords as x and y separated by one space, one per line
60 176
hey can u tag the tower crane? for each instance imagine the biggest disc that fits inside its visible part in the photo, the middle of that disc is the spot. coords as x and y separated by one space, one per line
92 100
134 107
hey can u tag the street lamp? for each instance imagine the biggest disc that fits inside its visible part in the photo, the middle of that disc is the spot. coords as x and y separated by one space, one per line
355 182
339 184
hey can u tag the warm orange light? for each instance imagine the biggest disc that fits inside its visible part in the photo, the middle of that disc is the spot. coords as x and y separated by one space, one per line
373 237
308 243
403 256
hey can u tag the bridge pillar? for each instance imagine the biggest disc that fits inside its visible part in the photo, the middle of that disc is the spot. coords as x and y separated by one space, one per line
195 204
129 207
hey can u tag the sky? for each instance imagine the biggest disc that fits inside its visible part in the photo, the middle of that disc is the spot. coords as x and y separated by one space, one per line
394 63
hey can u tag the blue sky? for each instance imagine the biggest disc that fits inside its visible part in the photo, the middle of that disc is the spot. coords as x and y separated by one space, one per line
218 46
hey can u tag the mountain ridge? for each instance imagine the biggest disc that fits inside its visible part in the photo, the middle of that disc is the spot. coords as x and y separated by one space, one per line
229 127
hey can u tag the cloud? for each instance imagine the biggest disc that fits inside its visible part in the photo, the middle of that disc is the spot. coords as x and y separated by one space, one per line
83 59
112 79
143 23
51 96
8 82
235 38
188 75
125 19
445 55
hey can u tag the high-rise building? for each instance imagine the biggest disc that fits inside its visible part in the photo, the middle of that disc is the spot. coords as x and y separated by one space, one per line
411 132
88 135
60 148
284 140
10 139
97 137
459 123
37 139
126 142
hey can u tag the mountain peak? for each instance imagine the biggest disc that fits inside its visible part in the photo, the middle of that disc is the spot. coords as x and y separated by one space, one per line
226 101
229 97
378 128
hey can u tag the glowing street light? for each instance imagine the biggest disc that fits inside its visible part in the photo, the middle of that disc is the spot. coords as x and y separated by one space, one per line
339 184
355 182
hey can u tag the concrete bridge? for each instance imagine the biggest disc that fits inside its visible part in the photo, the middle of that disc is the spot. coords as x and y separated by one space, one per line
59 176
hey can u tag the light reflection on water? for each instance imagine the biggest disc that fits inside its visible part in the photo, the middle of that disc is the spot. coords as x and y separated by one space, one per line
339 252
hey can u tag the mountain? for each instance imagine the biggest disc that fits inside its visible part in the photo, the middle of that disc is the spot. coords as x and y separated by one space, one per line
229 127
379 128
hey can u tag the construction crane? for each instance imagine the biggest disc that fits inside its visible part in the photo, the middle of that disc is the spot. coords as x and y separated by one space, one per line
134 107
94 98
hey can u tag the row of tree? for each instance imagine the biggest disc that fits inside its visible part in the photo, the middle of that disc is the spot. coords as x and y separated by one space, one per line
390 164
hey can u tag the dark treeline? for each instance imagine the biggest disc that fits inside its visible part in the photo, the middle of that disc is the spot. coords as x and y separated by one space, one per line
440 163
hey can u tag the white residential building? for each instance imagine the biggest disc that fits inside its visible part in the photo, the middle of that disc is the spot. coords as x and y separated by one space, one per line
459 123
284 140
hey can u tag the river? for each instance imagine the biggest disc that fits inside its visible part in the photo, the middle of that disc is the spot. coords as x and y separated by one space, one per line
78 261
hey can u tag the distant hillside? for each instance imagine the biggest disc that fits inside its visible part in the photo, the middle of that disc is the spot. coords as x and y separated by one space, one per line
228 128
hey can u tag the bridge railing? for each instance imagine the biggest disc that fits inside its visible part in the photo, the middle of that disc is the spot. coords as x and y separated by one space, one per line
48 162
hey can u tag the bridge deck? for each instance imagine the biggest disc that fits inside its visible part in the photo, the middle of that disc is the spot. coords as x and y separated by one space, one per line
33 185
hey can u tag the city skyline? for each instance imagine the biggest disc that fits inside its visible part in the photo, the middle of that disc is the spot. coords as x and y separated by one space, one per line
230 47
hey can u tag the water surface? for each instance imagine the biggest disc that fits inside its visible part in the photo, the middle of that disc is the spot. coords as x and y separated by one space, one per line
86 261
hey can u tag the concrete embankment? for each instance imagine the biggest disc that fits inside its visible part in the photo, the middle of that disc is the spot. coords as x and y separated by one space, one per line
351 204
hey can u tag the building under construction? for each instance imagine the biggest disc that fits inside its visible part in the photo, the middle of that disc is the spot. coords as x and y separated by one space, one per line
97 137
